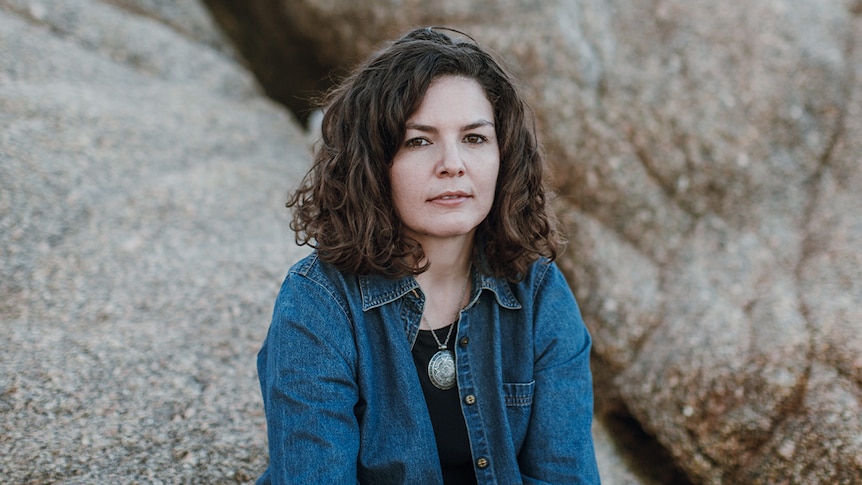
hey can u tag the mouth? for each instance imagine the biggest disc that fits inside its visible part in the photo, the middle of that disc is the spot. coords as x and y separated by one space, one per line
447 196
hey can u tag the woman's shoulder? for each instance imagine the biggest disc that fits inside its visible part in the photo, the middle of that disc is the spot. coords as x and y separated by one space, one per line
513 294
311 277
540 273
315 298
313 268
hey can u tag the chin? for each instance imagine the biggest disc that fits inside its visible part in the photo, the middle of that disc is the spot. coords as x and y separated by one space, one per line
454 232
442 232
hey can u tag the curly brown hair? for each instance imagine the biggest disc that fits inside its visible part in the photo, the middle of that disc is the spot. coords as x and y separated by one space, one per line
343 207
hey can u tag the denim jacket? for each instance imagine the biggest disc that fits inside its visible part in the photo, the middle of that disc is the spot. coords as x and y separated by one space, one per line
344 404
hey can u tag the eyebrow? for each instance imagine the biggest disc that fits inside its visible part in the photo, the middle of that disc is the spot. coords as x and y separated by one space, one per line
431 129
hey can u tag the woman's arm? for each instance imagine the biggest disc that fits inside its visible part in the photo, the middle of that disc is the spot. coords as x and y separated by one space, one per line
559 445
308 381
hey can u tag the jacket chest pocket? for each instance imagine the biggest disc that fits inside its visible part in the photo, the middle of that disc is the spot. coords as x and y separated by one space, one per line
518 394
518 398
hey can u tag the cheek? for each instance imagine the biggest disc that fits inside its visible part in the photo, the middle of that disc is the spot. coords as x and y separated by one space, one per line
398 201
493 176
400 189
492 184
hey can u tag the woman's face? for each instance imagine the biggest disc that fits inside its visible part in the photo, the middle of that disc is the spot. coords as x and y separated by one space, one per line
444 173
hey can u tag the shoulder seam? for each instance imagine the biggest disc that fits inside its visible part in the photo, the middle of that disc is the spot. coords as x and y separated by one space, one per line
305 272
542 274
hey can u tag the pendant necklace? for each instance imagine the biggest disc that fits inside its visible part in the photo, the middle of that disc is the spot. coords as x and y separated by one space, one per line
441 367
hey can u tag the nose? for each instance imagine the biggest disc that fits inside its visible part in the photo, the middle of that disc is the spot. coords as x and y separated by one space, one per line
451 164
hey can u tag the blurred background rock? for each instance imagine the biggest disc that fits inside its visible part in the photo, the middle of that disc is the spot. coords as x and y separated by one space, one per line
707 157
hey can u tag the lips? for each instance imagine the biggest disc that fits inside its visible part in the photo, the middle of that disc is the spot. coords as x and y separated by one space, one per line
447 196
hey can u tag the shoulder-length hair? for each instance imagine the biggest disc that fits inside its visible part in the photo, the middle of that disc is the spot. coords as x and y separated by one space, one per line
344 206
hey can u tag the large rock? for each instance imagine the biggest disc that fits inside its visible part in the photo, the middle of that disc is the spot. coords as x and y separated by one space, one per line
143 237
707 155
708 159
721 167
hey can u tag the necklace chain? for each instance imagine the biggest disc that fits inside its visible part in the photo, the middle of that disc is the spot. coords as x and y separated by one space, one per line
443 346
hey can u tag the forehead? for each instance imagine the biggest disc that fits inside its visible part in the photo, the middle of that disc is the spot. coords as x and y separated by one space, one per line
451 99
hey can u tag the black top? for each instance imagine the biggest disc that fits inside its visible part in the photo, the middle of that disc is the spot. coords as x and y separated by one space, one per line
450 430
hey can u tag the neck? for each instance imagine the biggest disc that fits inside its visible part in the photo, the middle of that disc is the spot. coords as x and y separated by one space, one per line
449 259
444 281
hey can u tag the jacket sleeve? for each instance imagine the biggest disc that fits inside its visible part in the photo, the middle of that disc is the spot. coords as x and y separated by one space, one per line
558 447
308 380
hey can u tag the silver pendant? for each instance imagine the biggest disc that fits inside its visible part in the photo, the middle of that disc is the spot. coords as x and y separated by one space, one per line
441 369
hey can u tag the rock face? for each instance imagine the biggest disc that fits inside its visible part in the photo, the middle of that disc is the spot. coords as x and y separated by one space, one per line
143 238
707 155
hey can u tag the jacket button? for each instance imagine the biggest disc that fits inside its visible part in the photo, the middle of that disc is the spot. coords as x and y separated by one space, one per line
465 341
470 399
482 462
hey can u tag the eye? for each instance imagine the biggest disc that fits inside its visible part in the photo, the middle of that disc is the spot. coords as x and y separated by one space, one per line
416 142
475 139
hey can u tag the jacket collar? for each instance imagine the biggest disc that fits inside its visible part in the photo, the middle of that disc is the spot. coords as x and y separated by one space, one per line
378 290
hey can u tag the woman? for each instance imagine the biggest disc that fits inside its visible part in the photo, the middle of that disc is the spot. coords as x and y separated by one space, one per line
429 338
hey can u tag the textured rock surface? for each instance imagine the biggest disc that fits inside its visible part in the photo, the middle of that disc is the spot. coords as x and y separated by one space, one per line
725 127
142 240
707 154
143 237
708 158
